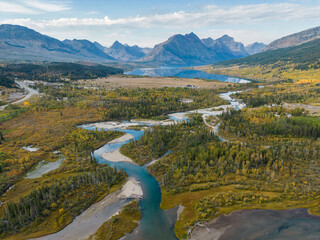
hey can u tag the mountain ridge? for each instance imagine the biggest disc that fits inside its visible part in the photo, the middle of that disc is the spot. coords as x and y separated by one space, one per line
255 48
184 50
22 43
295 39
236 48
304 56
124 52
87 48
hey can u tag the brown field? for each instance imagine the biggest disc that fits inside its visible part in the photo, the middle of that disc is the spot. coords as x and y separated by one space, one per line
150 82
313 109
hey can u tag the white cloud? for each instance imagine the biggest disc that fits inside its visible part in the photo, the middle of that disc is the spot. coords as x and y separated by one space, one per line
32 7
52 6
6 7
149 29
209 16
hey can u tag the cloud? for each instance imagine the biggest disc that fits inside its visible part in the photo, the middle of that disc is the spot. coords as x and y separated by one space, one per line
210 15
6 7
32 7
52 6
149 28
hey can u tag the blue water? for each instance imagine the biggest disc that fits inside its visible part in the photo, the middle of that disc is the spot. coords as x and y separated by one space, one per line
183 73
293 224
154 223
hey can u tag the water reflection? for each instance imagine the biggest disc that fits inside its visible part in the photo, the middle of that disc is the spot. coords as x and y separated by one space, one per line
183 73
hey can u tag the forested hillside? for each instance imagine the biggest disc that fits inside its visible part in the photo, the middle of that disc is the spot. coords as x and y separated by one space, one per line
275 164
56 71
304 56
49 123
6 82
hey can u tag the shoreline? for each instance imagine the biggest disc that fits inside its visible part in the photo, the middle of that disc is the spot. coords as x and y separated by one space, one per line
263 222
116 156
123 138
131 190
89 221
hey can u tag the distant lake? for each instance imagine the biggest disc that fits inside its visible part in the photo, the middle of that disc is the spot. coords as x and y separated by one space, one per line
184 73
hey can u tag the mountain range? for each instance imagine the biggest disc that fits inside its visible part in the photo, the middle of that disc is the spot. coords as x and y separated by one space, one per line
190 50
180 50
18 43
227 43
126 53
21 43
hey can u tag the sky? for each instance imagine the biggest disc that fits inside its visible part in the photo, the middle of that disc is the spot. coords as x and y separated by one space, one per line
149 22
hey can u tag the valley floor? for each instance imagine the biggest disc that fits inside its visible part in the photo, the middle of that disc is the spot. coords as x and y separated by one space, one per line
149 82
257 168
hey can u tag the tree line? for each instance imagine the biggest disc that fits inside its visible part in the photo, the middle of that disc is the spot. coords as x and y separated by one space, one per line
240 124
71 195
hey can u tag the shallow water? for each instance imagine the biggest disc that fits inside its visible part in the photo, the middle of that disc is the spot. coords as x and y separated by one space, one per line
184 73
44 167
293 224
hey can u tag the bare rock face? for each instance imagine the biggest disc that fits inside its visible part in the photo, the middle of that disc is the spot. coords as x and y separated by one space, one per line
295 39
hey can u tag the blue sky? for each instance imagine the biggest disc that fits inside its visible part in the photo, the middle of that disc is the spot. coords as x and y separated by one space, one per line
148 22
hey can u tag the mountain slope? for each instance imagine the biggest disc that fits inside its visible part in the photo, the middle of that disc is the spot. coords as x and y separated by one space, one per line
217 46
237 48
295 39
21 43
124 52
87 49
255 48
226 44
184 50
304 56
98 45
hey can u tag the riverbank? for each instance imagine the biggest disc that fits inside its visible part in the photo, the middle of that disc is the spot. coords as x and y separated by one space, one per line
122 223
116 156
132 189
113 125
88 222
294 224
44 167
123 138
